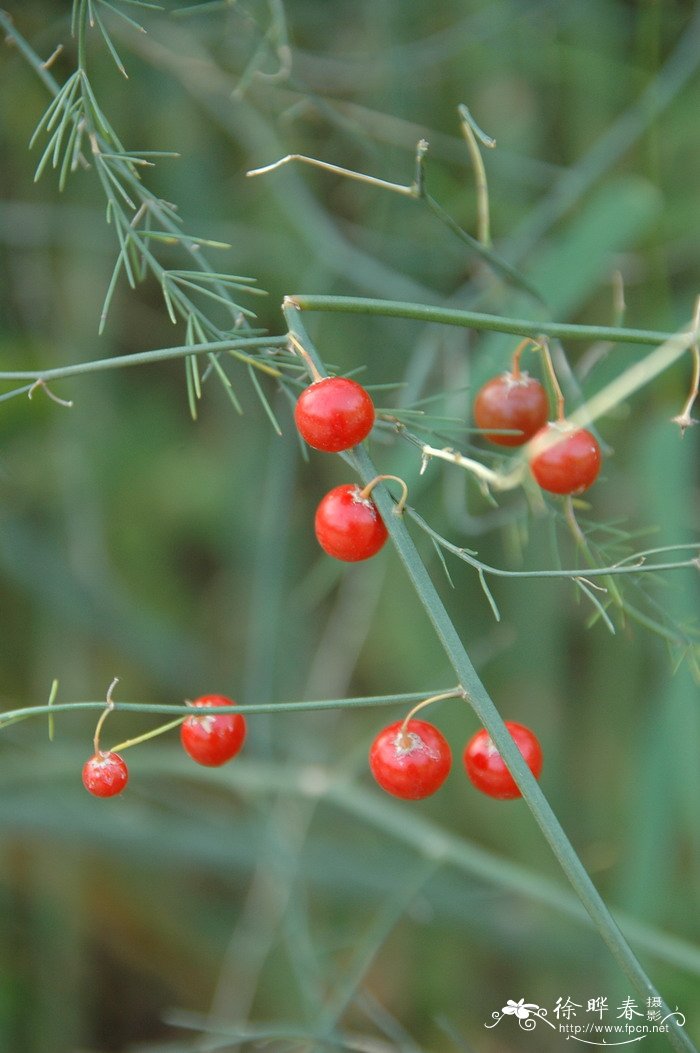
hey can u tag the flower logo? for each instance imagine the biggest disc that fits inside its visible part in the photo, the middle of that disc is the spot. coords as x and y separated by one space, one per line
526 1013
521 1009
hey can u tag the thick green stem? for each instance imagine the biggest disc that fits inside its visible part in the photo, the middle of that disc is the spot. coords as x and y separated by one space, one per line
490 718
476 320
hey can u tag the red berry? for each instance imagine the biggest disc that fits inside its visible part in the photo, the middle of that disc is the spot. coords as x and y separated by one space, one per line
105 774
565 459
334 414
487 771
414 768
348 525
511 402
213 738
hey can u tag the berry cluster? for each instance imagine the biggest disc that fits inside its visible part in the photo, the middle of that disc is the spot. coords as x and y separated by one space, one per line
513 409
209 738
334 414
411 759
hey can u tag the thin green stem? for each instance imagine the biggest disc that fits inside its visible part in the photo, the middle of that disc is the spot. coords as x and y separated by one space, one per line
143 358
152 734
490 718
12 716
499 263
622 567
477 320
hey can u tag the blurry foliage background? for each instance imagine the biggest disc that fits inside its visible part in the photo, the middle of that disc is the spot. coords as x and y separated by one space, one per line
180 556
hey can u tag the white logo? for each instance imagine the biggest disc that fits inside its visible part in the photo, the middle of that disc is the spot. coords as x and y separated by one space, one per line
629 1022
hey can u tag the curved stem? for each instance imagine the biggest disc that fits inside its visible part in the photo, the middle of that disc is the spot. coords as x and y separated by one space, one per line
400 505
457 692
471 132
109 707
684 420
515 361
553 379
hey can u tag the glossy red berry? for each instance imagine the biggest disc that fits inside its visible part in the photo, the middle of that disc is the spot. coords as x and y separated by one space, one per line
334 414
484 766
213 738
511 402
565 459
105 774
348 525
411 766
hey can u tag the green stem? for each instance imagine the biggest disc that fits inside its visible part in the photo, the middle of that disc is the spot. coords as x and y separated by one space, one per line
82 36
476 320
624 567
11 716
490 718
152 734
143 358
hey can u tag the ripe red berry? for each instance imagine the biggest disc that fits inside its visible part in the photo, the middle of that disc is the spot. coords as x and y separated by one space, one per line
334 414
213 738
348 525
484 765
511 402
105 774
565 459
412 768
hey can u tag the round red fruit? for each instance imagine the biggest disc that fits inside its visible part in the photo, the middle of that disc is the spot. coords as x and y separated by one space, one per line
486 769
105 774
213 738
517 403
334 414
348 525
565 459
411 764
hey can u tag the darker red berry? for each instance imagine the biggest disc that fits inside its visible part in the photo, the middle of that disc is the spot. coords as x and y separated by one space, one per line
105 774
348 525
565 459
511 402
484 765
413 765
213 738
334 414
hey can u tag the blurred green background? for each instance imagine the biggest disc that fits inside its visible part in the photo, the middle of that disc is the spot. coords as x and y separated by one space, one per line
180 556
